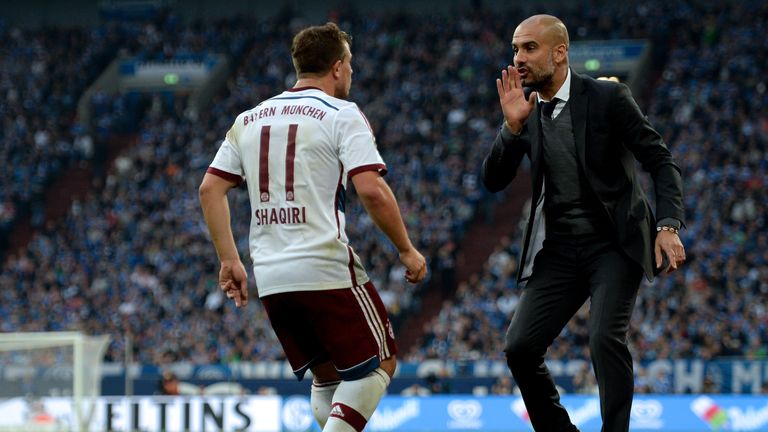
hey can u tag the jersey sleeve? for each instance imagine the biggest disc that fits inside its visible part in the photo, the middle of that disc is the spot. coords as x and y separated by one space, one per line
357 145
227 163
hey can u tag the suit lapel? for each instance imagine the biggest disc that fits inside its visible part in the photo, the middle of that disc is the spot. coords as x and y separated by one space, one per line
579 103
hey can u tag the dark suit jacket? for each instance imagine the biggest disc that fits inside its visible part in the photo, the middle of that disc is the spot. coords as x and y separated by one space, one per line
610 133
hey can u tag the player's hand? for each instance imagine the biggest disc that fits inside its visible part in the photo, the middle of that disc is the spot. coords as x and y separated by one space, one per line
515 107
670 244
233 280
415 265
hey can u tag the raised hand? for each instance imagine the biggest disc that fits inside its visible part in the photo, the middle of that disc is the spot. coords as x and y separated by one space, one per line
515 107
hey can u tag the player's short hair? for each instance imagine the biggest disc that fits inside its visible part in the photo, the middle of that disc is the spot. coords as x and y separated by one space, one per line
315 49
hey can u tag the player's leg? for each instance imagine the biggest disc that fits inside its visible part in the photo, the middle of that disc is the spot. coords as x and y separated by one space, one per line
290 315
355 400
360 341
327 380
324 385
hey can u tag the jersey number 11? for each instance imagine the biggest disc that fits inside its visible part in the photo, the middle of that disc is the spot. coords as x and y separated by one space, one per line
290 156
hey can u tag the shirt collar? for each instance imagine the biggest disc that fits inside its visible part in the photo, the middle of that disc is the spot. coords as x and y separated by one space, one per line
564 92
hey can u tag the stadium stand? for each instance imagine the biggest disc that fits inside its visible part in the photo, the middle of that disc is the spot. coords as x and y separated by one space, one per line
132 257
42 74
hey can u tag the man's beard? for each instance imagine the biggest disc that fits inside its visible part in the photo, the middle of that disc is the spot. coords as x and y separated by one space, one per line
538 81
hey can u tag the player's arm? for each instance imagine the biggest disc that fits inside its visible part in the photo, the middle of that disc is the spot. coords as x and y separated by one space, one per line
381 205
213 199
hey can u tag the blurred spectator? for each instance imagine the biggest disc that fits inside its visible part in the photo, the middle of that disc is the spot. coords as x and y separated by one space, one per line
438 382
642 382
502 386
415 389
661 382
169 384
584 381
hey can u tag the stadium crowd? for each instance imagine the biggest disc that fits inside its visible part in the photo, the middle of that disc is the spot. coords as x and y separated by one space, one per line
43 72
133 259
709 104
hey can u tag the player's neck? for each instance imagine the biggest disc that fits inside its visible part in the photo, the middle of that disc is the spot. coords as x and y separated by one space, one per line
319 83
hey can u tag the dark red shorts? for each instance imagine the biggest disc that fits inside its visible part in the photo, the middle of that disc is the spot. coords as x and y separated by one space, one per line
348 326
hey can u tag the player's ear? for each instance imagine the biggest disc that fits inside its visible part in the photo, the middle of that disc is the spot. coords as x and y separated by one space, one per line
336 69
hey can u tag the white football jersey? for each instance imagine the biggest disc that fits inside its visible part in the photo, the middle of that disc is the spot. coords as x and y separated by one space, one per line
296 151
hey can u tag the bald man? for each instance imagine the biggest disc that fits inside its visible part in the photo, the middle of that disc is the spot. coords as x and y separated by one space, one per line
591 233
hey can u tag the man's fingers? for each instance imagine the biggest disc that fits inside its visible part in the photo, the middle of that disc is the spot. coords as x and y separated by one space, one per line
504 81
409 276
412 277
515 77
238 299
239 295
237 291
244 293
418 275
672 266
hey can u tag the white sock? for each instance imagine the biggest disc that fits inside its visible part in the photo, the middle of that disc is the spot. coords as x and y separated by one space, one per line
355 401
320 399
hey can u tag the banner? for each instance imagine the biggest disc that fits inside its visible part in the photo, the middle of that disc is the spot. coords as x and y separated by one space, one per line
606 56
135 414
700 413
649 413
178 73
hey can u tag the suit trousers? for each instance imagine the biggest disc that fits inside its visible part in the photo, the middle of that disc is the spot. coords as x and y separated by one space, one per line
566 273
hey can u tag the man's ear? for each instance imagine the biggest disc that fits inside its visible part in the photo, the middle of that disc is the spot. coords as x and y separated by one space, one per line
562 52
336 69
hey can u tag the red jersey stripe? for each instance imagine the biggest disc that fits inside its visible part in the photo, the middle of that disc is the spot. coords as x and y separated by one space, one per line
290 156
381 168
264 165
234 178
